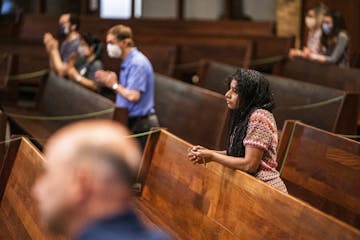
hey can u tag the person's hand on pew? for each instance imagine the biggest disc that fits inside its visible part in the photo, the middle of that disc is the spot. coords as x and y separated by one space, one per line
199 154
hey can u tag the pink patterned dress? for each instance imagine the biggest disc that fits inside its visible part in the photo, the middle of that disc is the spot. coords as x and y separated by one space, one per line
262 133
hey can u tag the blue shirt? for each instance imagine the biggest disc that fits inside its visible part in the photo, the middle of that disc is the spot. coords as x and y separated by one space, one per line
136 73
122 226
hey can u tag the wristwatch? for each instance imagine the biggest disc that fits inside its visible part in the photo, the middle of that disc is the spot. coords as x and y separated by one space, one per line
115 86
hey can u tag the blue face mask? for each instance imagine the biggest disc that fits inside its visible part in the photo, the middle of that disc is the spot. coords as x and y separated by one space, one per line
326 28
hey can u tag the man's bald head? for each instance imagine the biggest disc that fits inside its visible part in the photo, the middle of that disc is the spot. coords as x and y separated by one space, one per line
88 174
100 135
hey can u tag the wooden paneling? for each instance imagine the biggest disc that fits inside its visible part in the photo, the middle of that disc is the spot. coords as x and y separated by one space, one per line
322 169
18 210
214 202
192 113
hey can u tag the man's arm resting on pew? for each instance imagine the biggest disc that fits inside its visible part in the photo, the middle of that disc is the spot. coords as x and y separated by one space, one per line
250 163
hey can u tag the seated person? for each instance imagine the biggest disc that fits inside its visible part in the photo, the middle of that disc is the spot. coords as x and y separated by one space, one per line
313 20
334 41
68 29
85 191
87 63
253 137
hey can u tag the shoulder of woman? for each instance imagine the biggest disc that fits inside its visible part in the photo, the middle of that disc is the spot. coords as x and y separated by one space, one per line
344 35
262 112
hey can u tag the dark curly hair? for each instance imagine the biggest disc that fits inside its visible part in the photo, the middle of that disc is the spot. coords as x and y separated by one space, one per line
254 93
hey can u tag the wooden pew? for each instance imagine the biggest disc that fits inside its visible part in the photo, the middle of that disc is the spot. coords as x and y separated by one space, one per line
167 32
328 75
323 169
3 121
323 107
5 68
193 113
61 97
214 202
346 79
18 215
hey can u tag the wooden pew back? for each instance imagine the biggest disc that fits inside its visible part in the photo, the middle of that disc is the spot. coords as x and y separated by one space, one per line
67 102
323 107
18 211
322 74
329 109
193 113
322 169
214 202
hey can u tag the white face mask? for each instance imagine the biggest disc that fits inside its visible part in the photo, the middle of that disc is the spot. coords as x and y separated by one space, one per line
113 50
82 51
310 22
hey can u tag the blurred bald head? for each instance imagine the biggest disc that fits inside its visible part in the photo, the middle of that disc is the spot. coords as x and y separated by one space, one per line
98 135
90 168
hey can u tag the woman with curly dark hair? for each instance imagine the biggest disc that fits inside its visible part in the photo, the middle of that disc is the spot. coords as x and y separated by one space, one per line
252 138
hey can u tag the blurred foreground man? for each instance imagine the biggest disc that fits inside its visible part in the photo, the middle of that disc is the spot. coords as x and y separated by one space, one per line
85 190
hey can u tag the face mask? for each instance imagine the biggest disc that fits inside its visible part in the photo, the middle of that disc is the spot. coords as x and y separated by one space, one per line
310 22
82 51
326 28
113 50
63 31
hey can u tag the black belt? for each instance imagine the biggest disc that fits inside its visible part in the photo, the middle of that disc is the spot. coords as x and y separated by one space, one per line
140 117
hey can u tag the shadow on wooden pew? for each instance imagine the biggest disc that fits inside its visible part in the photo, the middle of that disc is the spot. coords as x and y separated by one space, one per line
195 114
18 213
323 107
322 169
214 202
61 102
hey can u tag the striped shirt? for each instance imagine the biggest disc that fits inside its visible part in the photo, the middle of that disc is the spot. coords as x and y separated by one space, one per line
262 133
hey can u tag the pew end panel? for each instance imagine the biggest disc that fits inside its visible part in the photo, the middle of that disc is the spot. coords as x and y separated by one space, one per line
323 169
18 210
213 202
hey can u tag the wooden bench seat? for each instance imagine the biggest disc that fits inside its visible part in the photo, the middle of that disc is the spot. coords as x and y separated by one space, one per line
323 107
214 202
62 98
193 113
322 169
18 214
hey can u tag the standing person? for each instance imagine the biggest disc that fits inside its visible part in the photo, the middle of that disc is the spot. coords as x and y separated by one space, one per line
85 190
252 139
59 57
134 87
313 21
334 41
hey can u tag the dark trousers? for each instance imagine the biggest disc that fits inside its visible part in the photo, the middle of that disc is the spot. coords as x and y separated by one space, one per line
143 124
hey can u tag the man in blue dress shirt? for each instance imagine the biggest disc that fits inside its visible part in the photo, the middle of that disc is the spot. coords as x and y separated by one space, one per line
85 190
135 85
